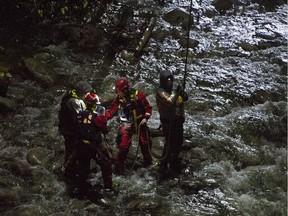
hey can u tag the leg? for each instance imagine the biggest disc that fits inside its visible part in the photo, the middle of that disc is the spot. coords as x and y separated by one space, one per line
166 153
81 185
104 161
84 154
145 145
177 142
124 140
70 165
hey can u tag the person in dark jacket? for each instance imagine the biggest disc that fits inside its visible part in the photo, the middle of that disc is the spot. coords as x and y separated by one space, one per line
91 125
170 104
133 111
71 104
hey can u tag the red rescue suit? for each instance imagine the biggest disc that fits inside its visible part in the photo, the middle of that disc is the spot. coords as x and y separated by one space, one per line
131 110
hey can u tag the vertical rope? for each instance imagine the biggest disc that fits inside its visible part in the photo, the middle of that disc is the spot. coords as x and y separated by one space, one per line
187 45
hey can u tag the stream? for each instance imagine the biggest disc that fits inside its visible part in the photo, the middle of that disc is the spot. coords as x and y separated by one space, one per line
235 147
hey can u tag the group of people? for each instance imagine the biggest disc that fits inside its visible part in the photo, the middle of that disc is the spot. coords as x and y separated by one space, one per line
83 124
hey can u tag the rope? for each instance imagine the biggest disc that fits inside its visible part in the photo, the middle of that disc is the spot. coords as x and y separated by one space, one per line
137 150
184 83
187 45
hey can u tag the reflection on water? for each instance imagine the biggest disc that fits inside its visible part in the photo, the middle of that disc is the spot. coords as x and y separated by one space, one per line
236 125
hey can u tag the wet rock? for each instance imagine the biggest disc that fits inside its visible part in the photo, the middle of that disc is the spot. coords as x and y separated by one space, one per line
199 153
128 55
223 5
264 44
254 126
177 17
249 159
270 5
37 156
248 45
16 166
266 34
36 70
83 36
7 104
8 180
144 203
192 42
193 186
29 210
17 93
9 197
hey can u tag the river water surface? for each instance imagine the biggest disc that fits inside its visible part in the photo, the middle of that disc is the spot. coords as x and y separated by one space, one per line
235 147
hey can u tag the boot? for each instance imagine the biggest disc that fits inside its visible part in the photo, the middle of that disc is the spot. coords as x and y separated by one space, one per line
163 172
121 157
176 165
79 190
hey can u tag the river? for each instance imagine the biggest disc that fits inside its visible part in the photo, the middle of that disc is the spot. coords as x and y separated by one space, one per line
235 147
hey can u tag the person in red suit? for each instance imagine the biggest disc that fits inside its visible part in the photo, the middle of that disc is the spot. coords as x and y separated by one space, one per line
133 111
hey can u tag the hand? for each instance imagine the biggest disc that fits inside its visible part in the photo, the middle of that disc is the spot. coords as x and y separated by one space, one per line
181 92
143 122
184 95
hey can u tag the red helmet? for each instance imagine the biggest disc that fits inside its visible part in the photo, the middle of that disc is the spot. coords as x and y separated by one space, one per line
121 84
92 99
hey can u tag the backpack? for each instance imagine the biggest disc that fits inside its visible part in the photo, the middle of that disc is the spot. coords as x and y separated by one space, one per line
65 115
86 127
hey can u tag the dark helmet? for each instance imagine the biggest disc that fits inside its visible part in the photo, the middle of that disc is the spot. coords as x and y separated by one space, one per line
121 84
164 76
92 99
82 87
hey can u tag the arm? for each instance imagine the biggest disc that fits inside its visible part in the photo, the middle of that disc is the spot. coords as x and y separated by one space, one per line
182 95
145 104
101 122
76 105
113 110
166 98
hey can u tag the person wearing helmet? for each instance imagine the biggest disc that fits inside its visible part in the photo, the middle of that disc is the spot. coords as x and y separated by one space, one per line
133 111
92 101
91 125
71 104
170 105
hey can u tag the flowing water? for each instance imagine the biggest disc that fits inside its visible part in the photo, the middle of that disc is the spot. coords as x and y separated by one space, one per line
235 147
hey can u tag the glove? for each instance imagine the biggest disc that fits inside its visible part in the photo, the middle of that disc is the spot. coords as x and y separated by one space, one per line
180 100
181 92
184 95
143 122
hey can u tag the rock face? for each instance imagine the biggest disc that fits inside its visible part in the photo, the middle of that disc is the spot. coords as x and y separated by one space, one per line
82 36
177 17
9 197
235 135
223 5
36 70
7 104
268 4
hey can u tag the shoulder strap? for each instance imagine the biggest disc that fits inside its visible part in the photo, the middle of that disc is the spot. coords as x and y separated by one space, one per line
133 94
